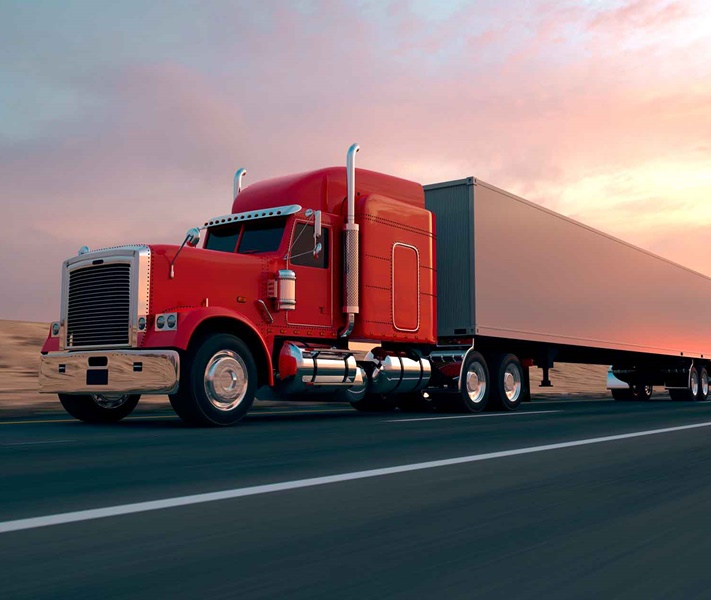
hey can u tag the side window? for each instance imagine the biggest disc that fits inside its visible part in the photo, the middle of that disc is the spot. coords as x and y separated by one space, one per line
303 245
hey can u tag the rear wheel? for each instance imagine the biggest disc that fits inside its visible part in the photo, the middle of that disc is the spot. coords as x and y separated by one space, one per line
507 382
703 384
693 392
218 382
99 408
474 383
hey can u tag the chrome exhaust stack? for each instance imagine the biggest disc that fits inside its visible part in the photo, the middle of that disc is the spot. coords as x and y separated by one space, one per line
350 248
237 187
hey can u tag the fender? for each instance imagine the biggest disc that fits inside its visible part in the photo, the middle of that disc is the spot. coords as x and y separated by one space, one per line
190 321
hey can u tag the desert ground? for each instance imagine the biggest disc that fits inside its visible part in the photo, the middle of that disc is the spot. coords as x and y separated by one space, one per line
20 344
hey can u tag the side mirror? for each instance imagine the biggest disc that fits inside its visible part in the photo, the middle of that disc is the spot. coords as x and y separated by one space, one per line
317 250
192 237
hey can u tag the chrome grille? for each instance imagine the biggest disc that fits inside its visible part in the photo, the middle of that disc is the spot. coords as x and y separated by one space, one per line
99 306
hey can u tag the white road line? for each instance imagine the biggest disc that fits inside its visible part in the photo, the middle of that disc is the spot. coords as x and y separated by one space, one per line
140 507
511 414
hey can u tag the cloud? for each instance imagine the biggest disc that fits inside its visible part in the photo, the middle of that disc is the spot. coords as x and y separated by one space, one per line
567 104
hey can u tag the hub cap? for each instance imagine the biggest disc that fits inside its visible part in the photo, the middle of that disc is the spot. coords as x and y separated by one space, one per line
109 401
704 383
476 382
512 383
226 380
694 383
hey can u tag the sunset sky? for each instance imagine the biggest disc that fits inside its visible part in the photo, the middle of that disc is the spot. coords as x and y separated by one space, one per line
123 122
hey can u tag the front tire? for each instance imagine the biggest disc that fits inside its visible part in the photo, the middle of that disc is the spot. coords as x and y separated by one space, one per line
99 408
218 382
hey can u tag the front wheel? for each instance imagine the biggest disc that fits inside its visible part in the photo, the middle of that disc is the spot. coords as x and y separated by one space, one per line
218 381
99 408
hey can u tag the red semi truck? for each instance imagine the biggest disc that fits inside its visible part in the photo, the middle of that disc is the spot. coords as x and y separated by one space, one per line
459 287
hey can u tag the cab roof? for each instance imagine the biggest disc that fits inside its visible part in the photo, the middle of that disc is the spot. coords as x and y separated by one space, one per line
325 189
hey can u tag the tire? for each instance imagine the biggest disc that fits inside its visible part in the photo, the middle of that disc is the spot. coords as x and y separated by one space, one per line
99 408
703 384
415 402
218 381
375 403
690 394
507 383
474 383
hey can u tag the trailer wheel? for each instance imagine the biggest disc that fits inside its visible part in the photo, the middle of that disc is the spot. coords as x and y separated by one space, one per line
703 384
474 383
218 381
693 392
507 383
99 408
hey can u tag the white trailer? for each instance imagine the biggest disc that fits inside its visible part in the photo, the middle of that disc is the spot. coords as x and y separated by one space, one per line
521 278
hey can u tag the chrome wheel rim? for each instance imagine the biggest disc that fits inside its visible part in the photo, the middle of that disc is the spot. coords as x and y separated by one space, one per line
694 383
512 383
476 382
226 380
704 383
110 401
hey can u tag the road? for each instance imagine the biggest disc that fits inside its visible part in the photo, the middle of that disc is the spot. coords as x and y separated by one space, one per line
555 501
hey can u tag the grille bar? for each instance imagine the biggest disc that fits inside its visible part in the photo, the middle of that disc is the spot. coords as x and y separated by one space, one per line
99 306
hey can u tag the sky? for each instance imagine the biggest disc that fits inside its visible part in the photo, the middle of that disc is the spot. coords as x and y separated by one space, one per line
123 122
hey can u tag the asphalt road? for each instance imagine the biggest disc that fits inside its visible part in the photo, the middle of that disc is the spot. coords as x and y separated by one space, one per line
542 504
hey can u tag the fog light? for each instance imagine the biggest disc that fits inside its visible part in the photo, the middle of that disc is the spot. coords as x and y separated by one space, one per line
160 322
172 320
142 323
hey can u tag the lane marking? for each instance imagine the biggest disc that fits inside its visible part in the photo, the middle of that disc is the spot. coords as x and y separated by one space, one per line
141 507
511 414
35 443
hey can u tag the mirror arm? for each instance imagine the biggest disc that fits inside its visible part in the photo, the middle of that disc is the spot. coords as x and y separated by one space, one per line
192 235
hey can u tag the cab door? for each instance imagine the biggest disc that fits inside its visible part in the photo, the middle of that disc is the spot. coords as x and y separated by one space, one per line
314 282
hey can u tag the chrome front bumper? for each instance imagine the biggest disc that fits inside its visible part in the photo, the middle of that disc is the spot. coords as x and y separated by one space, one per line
114 371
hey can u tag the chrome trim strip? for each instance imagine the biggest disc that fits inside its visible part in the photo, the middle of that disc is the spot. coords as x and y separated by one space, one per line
66 372
276 211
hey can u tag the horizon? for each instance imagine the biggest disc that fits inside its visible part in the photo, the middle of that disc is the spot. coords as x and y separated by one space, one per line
118 120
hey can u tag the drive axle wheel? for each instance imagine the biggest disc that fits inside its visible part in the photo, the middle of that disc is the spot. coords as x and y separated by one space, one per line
474 383
507 382
218 381
99 408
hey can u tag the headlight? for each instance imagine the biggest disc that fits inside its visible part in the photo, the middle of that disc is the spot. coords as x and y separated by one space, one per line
55 329
167 322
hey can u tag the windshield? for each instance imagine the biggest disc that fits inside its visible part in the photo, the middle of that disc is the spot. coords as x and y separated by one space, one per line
247 238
